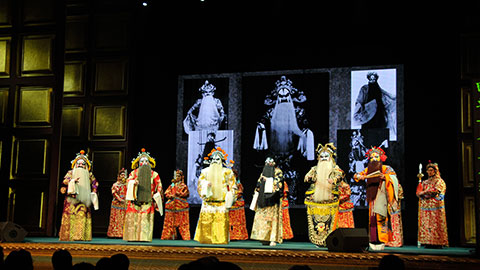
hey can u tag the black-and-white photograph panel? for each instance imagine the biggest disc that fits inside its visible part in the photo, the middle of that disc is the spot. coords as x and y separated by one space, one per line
205 104
374 100
352 148
285 116
200 144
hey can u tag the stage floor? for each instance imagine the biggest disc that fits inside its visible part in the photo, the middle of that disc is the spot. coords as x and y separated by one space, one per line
170 254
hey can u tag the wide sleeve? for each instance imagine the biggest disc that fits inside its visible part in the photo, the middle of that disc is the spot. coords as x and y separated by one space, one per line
337 175
278 179
94 183
391 185
116 192
157 184
310 176
201 186
170 192
182 191
66 180
356 175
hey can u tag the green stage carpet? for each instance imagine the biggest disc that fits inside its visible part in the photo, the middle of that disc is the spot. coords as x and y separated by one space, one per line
250 244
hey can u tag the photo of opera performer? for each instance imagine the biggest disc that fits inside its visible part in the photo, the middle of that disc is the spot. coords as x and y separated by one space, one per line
285 127
207 112
198 144
373 100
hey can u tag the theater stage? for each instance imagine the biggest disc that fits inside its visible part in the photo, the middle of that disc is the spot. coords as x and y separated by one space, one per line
169 254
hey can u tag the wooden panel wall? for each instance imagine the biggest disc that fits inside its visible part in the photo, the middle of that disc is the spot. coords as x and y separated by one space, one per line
31 79
97 92
469 143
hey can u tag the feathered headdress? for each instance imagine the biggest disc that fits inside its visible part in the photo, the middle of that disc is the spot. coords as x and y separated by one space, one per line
83 156
377 150
141 154
220 152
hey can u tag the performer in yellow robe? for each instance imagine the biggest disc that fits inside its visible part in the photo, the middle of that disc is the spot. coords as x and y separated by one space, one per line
321 197
216 187
144 196
382 189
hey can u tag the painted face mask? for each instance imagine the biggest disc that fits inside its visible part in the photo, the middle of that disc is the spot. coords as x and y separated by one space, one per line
80 163
374 157
217 159
143 161
324 156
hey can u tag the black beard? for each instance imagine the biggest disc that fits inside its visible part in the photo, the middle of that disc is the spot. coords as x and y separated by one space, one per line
268 171
144 191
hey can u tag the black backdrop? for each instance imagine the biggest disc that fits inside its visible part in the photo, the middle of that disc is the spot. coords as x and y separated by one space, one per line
195 37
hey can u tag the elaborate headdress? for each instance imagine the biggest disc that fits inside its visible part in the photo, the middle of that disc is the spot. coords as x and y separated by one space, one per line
141 154
122 170
207 87
434 166
83 156
221 153
176 173
328 147
377 150
120 178
284 83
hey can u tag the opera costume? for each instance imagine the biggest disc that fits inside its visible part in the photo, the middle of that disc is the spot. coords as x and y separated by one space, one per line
382 190
432 222
144 196
395 209
176 209
216 187
238 222
345 207
207 113
80 189
119 205
268 221
322 198
286 226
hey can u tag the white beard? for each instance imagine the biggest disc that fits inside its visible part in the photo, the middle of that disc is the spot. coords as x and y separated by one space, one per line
215 176
208 114
83 185
283 127
323 189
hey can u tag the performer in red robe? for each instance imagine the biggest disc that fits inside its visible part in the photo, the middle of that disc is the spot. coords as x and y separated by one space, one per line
176 209
432 222
119 205
286 226
236 213
345 207
80 189
144 196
